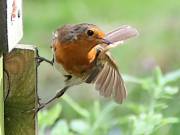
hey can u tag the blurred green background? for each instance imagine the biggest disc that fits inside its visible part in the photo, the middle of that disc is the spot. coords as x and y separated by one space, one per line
158 45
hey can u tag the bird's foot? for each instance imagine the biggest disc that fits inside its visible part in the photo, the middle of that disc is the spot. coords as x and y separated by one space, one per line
40 59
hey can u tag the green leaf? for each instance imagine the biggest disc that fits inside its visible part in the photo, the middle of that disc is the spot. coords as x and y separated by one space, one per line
170 120
158 76
48 117
172 76
148 84
171 90
61 128
132 79
80 126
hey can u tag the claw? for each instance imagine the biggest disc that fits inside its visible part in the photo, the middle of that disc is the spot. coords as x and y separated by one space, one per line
40 59
38 101
38 108
42 105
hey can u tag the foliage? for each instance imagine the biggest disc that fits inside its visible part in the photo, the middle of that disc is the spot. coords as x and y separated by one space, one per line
135 117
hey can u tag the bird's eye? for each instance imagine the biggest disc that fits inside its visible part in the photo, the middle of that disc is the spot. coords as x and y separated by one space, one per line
90 32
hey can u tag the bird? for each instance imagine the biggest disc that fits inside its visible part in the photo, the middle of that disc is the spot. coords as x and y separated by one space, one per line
81 54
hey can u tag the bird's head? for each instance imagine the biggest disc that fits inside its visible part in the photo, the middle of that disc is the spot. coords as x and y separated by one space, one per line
83 35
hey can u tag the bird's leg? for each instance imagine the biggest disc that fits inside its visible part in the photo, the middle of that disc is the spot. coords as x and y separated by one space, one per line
59 94
40 59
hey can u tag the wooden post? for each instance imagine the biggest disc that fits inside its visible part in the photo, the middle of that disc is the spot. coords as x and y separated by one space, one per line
20 91
17 72
1 98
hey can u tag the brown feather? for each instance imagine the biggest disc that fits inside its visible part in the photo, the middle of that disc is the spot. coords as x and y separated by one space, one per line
101 78
120 91
106 82
109 88
109 81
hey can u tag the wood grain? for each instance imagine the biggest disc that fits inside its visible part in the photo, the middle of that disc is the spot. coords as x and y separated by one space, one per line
20 65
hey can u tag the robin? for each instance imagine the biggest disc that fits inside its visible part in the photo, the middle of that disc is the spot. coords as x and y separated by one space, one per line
81 55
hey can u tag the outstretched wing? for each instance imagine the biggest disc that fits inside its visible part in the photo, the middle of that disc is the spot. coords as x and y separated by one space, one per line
107 78
105 75
109 81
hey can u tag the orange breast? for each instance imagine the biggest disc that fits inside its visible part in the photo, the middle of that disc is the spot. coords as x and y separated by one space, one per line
75 58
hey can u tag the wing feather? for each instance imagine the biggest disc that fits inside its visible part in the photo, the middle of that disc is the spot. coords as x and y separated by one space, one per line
109 88
106 82
109 81
119 89
101 78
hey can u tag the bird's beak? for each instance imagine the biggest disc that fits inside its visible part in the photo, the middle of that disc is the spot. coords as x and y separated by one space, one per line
105 41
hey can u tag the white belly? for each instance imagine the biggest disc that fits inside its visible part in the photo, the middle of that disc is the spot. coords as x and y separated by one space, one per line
60 68
73 81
